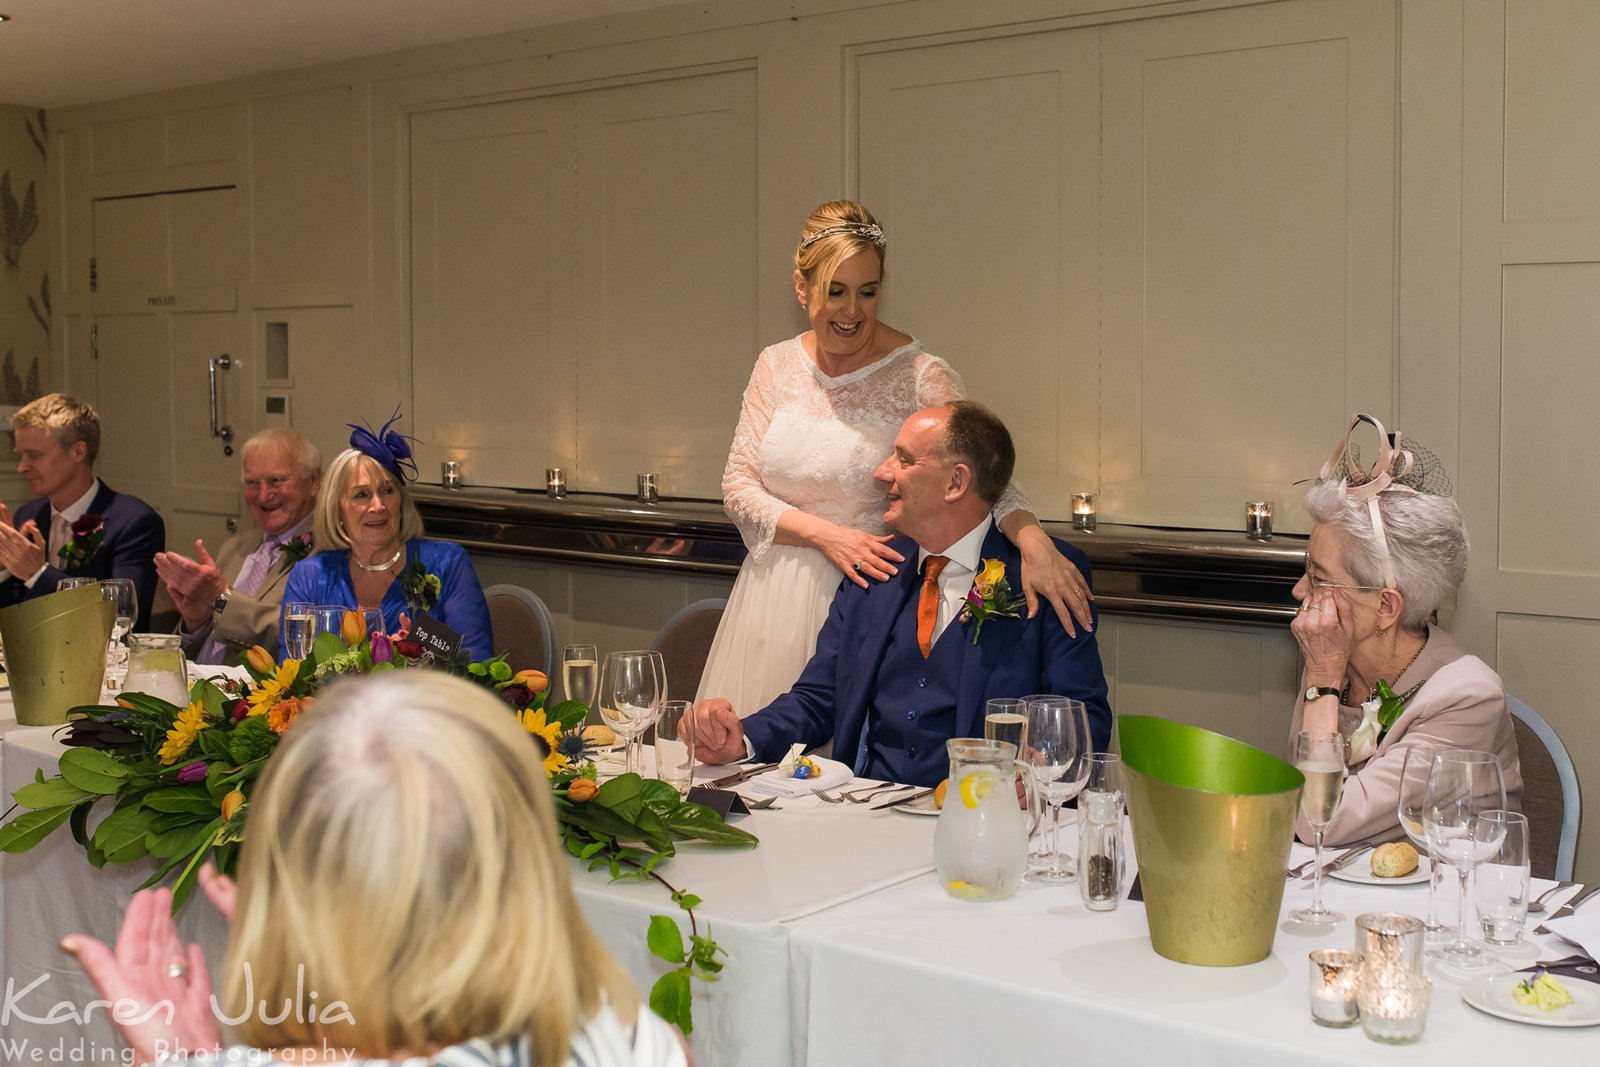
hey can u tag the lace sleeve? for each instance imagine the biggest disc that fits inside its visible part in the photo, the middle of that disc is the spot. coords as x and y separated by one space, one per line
938 383
744 495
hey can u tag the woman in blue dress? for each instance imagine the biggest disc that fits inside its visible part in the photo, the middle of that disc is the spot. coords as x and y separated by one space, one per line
373 535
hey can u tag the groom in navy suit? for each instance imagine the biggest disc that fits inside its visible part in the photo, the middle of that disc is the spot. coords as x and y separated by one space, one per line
899 668
79 526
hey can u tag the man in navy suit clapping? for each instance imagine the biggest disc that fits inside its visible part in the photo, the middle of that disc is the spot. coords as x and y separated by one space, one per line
902 666
79 526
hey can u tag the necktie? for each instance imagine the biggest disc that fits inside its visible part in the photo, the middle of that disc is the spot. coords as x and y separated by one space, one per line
60 534
928 606
249 581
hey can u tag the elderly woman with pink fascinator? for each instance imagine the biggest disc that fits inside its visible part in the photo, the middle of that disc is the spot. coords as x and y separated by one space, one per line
376 556
1387 548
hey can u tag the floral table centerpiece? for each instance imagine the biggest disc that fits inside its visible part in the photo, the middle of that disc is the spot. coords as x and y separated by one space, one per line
180 778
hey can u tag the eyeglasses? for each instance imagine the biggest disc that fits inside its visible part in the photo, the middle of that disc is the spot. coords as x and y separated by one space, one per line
1322 583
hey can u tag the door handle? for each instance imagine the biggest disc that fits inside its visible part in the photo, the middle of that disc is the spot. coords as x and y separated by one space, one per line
212 366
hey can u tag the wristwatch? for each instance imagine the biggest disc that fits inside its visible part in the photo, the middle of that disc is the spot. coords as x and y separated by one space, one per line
1317 692
222 601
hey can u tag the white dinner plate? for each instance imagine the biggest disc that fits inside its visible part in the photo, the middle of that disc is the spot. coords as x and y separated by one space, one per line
1491 994
919 806
1361 871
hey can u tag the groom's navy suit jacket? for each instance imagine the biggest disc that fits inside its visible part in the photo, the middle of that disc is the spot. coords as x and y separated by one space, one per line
133 535
834 695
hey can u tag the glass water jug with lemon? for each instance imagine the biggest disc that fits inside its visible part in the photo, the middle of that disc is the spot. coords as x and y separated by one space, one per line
980 846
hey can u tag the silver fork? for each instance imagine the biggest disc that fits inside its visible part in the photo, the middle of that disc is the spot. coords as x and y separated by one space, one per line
1538 906
826 797
861 796
1295 872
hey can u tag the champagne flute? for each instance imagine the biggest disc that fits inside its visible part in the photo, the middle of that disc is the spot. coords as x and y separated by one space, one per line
121 593
1414 768
299 629
1320 757
1058 747
580 672
1462 785
1006 719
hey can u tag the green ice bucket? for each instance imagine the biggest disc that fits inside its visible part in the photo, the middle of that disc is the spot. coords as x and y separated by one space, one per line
1213 819
56 652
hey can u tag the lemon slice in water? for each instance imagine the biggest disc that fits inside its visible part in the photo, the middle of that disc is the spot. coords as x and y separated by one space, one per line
976 786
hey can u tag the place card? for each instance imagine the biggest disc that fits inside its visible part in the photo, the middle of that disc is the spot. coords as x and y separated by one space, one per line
724 802
435 637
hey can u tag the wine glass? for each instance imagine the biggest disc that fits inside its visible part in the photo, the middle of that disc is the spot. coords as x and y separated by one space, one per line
580 672
1320 757
1462 785
1414 768
630 693
121 593
1058 747
299 629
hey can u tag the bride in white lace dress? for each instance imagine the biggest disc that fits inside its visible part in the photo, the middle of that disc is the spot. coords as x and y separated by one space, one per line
819 415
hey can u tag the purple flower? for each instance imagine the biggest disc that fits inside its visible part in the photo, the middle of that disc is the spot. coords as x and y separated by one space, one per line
382 648
517 695
974 598
193 772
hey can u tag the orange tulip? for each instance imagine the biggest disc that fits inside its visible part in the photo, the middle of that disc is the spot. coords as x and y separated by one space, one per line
353 628
230 804
582 790
260 660
536 681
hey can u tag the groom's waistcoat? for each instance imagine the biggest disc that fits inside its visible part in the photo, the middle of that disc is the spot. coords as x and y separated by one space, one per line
914 702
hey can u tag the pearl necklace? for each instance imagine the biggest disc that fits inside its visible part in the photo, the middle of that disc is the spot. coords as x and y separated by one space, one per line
376 568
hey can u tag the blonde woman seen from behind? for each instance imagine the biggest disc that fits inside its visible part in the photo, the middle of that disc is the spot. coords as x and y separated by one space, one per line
402 862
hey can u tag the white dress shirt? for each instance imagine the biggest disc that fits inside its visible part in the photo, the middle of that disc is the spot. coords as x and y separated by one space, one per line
955 581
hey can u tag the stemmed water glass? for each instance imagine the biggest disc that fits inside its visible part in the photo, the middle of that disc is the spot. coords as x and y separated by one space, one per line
1320 757
631 691
1462 785
1415 766
1057 750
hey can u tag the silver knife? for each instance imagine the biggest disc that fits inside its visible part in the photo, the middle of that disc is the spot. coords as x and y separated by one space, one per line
1576 902
740 776
897 801
1342 860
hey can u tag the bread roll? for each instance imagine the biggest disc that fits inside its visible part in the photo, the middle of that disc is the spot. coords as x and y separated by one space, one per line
1394 860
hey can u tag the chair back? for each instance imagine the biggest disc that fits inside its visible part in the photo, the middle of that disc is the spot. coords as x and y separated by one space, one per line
684 642
1550 796
523 628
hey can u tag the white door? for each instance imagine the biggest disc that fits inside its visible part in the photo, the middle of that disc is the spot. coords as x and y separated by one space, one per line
165 308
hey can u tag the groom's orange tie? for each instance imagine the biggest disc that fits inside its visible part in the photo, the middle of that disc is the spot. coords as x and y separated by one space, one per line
928 606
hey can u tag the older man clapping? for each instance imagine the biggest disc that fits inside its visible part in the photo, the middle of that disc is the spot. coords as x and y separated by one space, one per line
231 602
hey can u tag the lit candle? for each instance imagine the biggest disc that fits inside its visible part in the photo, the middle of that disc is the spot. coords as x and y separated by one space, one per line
1334 977
450 474
1258 520
1394 1005
1083 511
555 481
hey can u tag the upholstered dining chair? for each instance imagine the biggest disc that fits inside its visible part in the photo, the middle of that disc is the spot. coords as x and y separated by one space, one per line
523 628
684 642
1549 793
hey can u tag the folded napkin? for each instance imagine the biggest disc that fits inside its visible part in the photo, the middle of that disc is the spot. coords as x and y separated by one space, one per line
1580 967
779 783
1581 928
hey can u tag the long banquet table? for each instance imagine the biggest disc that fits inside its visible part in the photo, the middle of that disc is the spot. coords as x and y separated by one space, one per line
843 949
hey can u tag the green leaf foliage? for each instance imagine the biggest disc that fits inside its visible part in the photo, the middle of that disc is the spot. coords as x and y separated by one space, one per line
664 939
27 830
94 771
670 998
50 794
121 834
189 799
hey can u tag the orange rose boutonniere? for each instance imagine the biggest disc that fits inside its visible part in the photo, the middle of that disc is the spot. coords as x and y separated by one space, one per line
991 597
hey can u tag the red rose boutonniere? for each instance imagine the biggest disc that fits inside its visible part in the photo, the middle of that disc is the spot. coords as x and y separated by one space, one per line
991 597
296 548
87 533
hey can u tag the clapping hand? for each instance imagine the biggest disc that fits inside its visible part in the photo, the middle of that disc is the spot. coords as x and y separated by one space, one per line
194 584
159 987
22 550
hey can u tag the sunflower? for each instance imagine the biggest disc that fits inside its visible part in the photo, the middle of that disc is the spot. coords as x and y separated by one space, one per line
273 689
190 721
533 720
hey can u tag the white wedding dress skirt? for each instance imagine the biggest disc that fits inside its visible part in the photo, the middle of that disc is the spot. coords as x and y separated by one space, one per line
782 602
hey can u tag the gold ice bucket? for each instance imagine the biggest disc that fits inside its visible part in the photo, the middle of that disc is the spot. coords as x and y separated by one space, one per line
1213 819
56 652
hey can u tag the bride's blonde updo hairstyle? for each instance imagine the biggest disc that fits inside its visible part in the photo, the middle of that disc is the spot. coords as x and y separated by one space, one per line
835 232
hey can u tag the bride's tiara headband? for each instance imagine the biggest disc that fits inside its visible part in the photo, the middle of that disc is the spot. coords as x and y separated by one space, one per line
391 449
870 230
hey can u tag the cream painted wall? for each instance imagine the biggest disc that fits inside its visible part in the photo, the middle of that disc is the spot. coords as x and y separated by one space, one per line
25 296
1201 231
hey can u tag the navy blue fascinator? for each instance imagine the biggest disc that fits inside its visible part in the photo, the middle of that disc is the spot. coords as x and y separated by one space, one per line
391 449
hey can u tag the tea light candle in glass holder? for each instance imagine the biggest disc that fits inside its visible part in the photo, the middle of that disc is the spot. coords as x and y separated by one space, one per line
1258 520
555 481
1083 511
1394 1004
450 474
1390 941
1335 974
